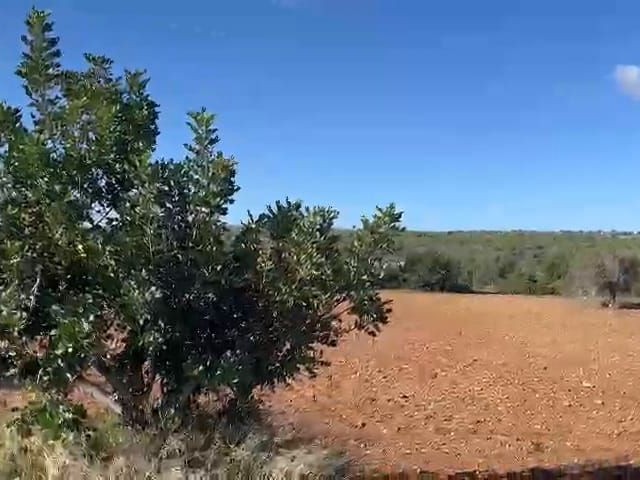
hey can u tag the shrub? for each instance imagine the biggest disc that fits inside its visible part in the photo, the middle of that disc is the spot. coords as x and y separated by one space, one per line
522 283
433 271
555 269
113 261
392 276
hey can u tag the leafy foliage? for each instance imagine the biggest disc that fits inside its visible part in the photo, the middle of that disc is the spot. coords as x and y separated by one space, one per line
114 261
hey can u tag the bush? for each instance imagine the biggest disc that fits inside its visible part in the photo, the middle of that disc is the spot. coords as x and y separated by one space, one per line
522 283
433 271
392 276
620 272
113 261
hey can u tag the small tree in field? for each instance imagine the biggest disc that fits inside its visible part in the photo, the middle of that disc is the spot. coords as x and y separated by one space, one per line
113 261
432 271
616 274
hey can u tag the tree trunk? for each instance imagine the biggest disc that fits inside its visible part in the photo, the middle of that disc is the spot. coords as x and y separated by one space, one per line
132 393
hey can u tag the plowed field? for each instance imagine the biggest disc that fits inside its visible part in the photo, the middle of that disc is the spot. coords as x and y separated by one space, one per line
465 381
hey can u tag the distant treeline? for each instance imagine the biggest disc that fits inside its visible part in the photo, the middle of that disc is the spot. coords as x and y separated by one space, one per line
533 263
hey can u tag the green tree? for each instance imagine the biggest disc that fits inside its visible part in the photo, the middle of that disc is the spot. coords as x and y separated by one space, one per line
111 260
433 271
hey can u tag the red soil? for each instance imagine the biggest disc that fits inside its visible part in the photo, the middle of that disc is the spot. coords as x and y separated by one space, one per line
463 382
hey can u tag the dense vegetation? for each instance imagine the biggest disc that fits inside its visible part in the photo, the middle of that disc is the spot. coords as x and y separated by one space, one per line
115 261
561 263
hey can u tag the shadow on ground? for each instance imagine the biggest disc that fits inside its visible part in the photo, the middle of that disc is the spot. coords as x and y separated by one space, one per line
628 306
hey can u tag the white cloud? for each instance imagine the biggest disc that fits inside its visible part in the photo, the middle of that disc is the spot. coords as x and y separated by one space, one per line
628 79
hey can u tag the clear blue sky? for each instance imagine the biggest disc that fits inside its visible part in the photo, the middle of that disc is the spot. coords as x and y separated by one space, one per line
494 114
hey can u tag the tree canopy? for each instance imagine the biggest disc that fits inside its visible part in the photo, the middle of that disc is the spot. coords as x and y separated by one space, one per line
114 260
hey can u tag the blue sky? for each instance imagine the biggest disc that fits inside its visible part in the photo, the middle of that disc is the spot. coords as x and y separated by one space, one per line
495 114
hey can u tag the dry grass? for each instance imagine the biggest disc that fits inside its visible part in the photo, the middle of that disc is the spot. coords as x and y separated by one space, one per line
236 451
35 458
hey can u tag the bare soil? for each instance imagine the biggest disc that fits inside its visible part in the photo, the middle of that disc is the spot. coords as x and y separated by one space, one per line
460 382
477 381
